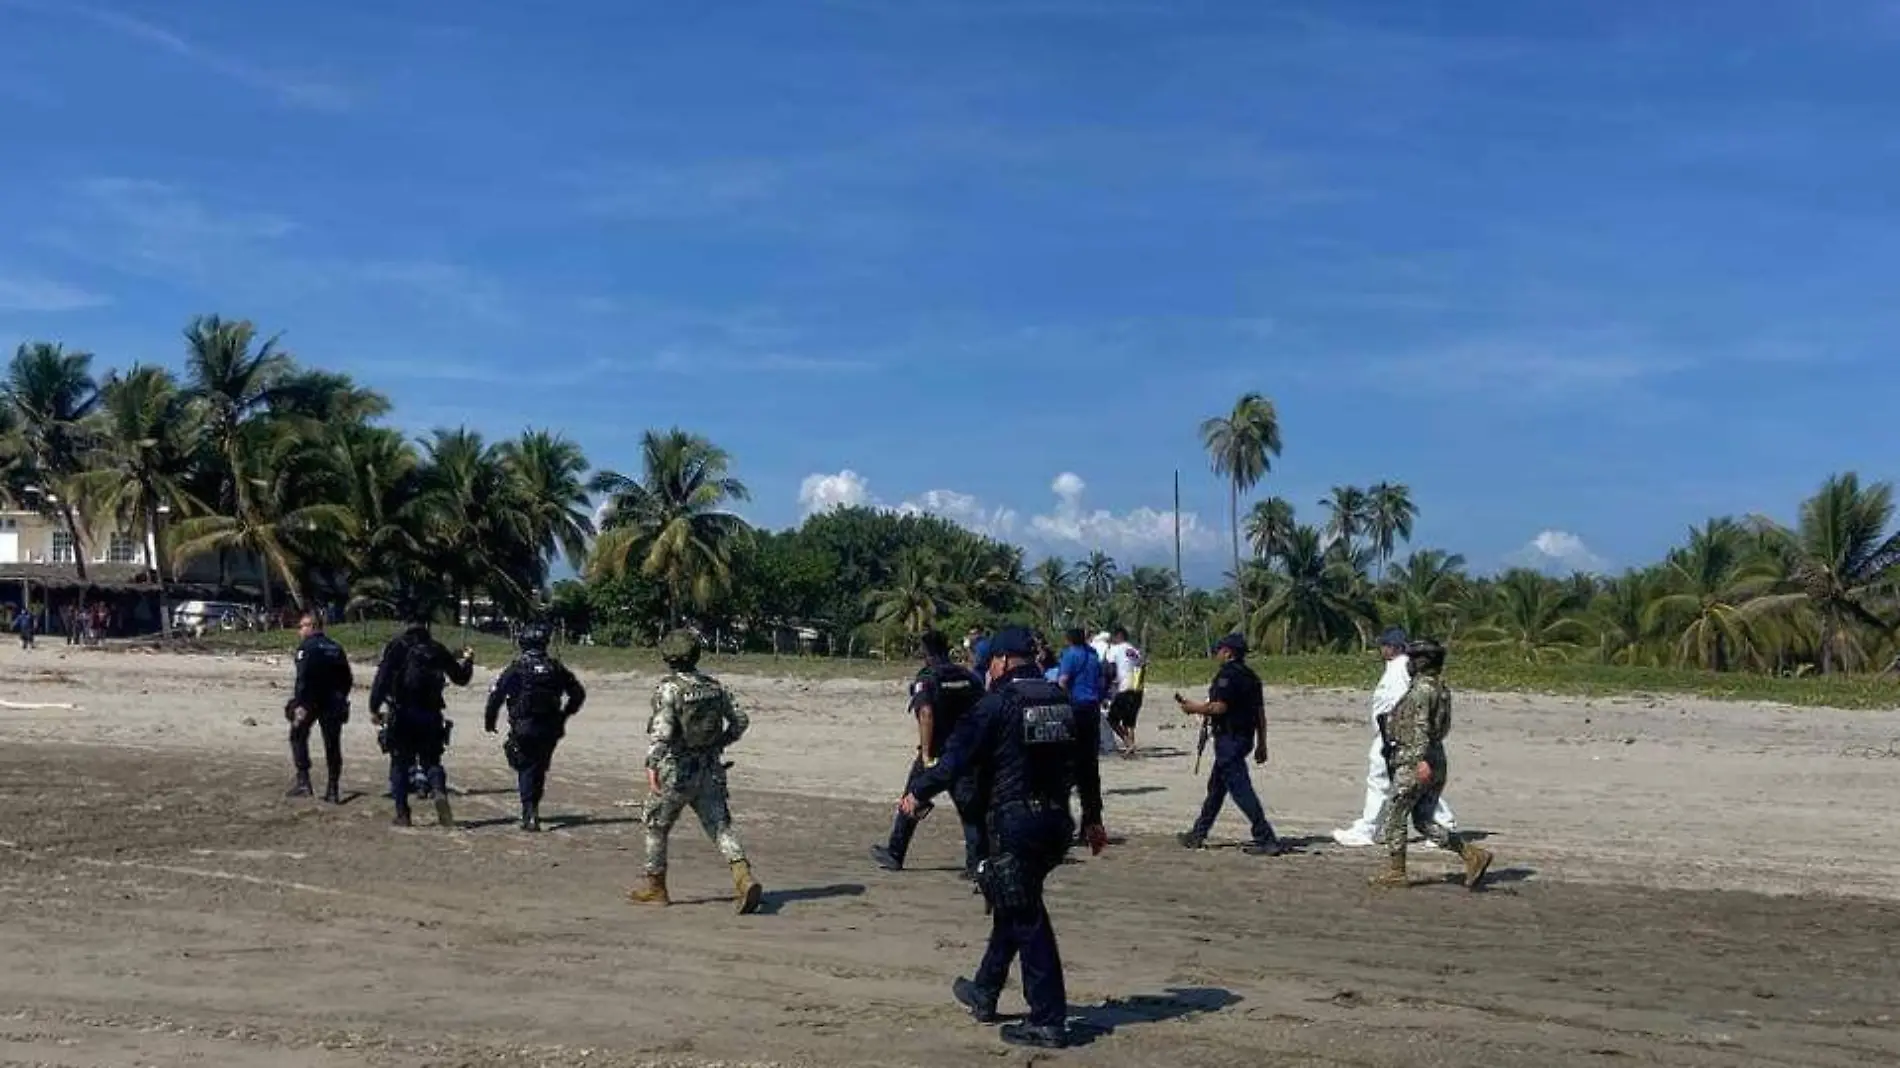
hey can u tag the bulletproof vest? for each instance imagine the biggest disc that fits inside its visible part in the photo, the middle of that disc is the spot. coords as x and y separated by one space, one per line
327 664
421 678
1437 698
542 696
958 691
702 704
1044 720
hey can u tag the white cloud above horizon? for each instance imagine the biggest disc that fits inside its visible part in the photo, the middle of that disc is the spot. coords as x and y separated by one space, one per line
1068 527
1558 551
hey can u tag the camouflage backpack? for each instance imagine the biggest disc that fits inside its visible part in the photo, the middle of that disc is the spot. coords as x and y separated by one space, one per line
1437 711
703 704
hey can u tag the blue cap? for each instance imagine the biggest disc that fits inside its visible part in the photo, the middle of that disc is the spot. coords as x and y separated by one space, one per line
1013 641
1394 636
1234 641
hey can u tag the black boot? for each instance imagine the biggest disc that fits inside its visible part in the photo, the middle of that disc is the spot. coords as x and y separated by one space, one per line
300 788
402 816
980 1002
331 795
530 817
1023 1034
882 856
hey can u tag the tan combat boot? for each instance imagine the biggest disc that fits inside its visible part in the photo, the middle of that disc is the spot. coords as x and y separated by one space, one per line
1477 862
1393 877
653 893
746 891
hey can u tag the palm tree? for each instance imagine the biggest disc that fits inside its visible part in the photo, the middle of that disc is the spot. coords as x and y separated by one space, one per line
1346 511
1388 518
1268 525
52 395
1841 560
142 459
1242 446
1533 618
1149 592
383 488
1424 591
673 519
1052 590
1097 578
279 519
1710 581
551 474
919 594
479 523
1313 597
1624 623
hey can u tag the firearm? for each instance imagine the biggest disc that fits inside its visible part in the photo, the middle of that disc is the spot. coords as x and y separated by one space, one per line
1200 744
1385 743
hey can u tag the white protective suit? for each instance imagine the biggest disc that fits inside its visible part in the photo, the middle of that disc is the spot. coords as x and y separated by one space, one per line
1106 740
1385 697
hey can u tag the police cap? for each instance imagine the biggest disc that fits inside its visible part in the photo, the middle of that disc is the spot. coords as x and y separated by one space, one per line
1013 641
1234 641
1393 638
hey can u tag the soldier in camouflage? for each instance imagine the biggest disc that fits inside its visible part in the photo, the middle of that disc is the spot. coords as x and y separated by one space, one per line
1415 739
694 720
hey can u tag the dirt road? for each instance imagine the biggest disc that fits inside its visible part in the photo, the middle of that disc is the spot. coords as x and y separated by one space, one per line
162 903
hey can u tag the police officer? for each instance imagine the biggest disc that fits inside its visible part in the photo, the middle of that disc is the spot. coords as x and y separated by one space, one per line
1236 715
694 720
940 696
415 670
321 698
1028 749
541 693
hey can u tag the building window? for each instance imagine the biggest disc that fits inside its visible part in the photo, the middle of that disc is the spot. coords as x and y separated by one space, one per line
62 546
123 550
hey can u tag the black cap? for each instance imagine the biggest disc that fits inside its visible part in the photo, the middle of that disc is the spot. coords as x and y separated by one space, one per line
1234 641
1394 637
1013 641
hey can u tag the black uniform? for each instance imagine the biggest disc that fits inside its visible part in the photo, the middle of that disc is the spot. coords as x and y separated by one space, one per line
541 693
1027 749
415 670
950 691
320 697
1236 686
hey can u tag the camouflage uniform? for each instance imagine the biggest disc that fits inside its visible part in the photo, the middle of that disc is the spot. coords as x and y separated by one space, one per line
1416 731
694 720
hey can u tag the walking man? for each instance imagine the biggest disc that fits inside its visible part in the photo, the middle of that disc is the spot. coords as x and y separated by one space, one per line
1385 697
1124 706
941 695
541 694
320 697
1236 712
1416 731
415 671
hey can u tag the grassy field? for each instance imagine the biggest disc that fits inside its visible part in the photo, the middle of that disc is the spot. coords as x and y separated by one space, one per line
1325 672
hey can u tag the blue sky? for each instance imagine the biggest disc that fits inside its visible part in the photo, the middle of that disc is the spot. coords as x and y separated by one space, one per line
1580 274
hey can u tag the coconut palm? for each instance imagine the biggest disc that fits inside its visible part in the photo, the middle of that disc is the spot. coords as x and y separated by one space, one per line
1346 515
1388 518
1147 595
673 521
1424 591
1532 620
1626 629
1242 446
1052 590
1841 559
1310 595
920 593
1268 525
1709 584
1096 576
52 396
551 475
478 523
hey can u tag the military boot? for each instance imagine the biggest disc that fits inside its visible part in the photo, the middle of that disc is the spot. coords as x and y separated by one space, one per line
653 893
402 816
300 788
746 891
1028 1034
531 817
980 1002
1477 862
331 795
1393 877
444 815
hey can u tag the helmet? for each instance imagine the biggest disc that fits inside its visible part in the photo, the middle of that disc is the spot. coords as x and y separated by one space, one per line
680 646
1426 656
534 636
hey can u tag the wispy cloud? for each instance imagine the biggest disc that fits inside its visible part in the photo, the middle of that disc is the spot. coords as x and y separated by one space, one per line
31 293
1561 364
1558 552
699 361
292 89
150 228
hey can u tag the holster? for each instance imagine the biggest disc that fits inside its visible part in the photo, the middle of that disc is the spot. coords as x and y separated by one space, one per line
382 737
511 749
1005 884
448 729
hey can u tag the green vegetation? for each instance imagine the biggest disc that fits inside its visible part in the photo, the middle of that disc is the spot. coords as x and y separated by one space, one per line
250 455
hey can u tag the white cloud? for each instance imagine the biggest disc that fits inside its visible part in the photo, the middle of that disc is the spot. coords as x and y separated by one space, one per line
822 493
1141 533
31 294
1558 551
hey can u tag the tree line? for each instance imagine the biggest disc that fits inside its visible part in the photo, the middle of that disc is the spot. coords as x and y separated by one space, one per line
247 453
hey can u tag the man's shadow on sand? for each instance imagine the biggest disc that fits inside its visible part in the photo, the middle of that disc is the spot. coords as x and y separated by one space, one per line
1100 1021
772 902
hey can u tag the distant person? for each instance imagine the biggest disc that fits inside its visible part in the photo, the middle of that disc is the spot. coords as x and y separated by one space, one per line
1417 728
26 625
415 671
1127 671
1385 697
694 720
541 695
1080 676
1236 712
978 643
940 696
320 697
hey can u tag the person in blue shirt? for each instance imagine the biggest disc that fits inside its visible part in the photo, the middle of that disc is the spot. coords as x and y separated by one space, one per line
1079 673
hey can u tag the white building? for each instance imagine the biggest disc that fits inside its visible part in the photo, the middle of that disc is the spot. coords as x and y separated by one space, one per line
32 538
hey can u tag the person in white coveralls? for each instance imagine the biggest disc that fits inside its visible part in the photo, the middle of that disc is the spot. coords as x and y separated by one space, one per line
1385 697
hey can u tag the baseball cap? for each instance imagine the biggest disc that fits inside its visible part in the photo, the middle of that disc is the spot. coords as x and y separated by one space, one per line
1236 642
1013 641
1393 636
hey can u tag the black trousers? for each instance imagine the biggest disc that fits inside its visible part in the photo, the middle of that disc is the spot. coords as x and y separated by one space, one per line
962 795
415 738
1037 841
331 727
534 754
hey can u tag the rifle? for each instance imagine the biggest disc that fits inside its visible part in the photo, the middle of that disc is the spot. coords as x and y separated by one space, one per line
1200 746
1385 743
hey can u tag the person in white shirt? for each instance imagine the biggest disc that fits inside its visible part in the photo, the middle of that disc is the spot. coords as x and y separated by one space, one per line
1124 705
1385 697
